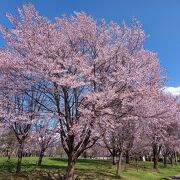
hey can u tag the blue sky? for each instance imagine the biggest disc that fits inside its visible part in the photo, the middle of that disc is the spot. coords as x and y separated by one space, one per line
160 20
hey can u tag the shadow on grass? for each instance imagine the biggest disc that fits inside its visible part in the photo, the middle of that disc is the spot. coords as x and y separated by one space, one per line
55 175
90 174
33 175
84 171
51 167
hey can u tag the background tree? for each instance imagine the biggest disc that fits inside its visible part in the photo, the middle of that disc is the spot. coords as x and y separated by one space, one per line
46 135
8 142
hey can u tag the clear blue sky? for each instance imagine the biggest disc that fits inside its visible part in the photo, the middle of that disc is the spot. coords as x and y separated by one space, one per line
160 20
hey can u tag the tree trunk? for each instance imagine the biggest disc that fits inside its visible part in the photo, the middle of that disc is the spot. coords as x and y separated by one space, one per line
118 164
165 160
41 155
155 157
155 162
171 159
70 169
84 154
137 167
127 157
8 155
175 157
20 153
114 159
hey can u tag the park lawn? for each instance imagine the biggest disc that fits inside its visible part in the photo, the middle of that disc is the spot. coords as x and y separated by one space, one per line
54 168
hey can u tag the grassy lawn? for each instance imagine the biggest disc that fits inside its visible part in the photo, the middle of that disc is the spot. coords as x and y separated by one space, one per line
54 168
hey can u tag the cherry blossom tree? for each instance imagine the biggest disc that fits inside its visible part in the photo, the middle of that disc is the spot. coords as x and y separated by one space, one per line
45 136
18 109
110 143
8 142
171 144
92 75
120 141
160 113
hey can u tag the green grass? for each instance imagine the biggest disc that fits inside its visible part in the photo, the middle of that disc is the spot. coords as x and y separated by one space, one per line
54 168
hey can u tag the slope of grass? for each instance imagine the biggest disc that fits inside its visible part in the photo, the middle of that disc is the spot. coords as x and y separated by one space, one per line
54 168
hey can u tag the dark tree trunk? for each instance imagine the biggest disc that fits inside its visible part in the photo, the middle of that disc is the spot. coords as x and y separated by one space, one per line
70 169
84 154
41 155
20 154
155 157
114 159
127 157
8 155
155 161
7 152
165 160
